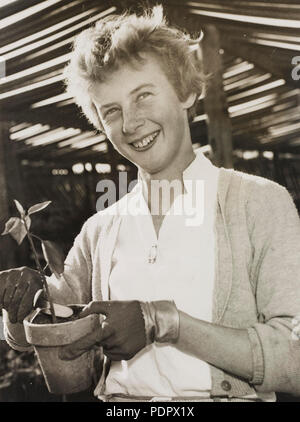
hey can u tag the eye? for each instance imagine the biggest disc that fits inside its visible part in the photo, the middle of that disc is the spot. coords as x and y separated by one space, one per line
111 111
143 95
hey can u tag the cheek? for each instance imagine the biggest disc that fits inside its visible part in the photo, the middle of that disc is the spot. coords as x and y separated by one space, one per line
115 137
150 110
111 130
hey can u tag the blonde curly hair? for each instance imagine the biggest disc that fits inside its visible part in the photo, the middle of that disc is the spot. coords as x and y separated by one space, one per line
118 39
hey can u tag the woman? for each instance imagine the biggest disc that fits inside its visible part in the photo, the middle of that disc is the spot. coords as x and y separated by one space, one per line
196 309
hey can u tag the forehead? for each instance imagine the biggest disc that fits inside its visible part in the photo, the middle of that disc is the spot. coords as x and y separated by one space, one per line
129 77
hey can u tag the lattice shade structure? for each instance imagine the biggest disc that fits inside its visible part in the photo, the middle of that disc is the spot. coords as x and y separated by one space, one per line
42 131
259 41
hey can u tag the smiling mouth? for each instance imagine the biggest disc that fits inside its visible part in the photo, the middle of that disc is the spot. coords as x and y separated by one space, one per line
146 142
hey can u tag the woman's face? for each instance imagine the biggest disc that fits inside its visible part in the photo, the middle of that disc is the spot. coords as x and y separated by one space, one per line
143 117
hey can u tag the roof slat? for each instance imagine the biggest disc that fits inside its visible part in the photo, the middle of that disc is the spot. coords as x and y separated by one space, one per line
11 7
246 8
50 52
51 26
278 62
16 18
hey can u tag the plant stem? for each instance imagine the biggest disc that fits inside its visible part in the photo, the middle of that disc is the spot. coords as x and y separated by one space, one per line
41 273
34 235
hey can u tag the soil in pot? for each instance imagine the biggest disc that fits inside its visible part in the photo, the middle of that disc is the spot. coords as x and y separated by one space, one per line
45 318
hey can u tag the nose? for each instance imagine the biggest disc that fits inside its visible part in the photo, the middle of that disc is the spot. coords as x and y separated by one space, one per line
132 121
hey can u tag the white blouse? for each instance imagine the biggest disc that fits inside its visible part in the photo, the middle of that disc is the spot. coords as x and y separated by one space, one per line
179 266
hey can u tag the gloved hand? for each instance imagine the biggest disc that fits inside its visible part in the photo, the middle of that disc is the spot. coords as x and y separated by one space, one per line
129 326
18 287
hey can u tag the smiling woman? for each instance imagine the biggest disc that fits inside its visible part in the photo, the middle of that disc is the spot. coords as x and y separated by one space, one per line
148 34
144 118
196 309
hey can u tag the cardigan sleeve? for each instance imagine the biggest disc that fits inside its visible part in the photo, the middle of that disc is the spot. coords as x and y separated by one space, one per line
73 287
275 236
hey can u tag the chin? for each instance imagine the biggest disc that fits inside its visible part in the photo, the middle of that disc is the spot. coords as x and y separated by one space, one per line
153 170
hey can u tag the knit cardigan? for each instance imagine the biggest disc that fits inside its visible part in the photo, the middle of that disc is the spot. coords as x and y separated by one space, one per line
257 278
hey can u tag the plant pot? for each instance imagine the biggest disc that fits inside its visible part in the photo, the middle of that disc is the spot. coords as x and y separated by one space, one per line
61 376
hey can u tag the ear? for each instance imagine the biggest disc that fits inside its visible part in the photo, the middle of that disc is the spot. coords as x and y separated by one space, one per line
189 101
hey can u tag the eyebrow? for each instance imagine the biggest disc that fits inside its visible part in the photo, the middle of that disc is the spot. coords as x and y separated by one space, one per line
105 106
141 87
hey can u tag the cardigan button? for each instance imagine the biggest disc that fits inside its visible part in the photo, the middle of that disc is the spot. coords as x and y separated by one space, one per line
226 386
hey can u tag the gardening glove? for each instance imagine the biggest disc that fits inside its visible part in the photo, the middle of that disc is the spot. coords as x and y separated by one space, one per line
18 287
129 326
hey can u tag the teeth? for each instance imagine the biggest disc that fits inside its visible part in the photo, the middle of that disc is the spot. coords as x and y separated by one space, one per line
145 141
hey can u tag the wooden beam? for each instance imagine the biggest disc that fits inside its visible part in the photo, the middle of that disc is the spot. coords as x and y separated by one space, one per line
16 7
273 33
30 61
283 140
26 77
38 14
289 100
31 94
7 244
241 76
266 120
274 60
47 48
194 20
68 116
39 39
248 95
285 11
4 136
34 26
247 141
215 104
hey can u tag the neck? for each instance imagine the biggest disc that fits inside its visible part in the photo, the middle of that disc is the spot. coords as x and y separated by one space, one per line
174 171
153 192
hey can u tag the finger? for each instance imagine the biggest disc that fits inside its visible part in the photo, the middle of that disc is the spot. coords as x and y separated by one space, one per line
26 304
12 277
22 301
79 347
117 355
112 356
95 308
18 297
11 284
17 277
3 282
108 339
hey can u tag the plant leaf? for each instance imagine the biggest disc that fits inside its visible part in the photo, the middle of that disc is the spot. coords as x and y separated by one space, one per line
10 224
38 207
19 208
54 257
28 221
16 228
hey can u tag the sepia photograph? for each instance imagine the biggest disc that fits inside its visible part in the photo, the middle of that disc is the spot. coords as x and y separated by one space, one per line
149 203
